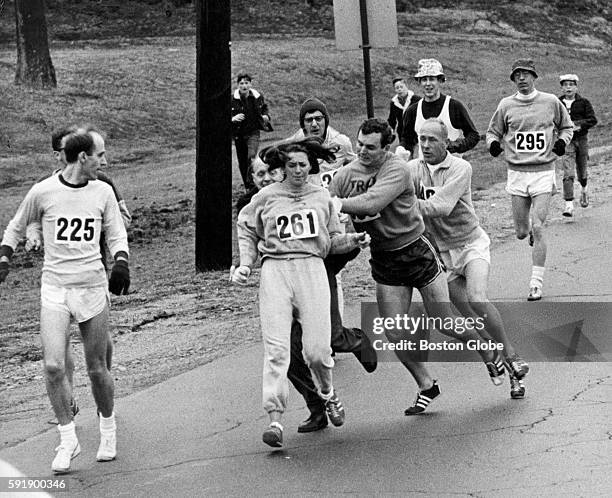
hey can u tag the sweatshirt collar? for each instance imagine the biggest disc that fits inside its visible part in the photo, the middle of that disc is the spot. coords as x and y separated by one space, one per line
443 165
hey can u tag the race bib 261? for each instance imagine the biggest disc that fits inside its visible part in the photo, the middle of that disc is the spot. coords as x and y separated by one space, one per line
303 224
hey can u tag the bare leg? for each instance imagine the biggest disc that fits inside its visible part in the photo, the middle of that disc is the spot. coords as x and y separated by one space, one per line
54 333
394 300
95 343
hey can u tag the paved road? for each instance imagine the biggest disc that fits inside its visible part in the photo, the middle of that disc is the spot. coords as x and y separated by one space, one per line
199 434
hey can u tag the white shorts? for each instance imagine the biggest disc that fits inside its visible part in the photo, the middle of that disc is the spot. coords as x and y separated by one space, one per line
456 260
531 183
80 303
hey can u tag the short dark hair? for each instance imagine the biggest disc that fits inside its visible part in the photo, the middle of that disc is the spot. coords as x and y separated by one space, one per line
399 78
377 125
58 135
76 143
243 76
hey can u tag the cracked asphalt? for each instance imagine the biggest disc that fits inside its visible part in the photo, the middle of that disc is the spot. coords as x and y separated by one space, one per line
199 434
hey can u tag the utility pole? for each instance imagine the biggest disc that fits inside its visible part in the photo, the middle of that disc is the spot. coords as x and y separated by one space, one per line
367 68
213 240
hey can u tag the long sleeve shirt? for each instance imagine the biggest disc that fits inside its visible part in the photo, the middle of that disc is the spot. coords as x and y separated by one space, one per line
72 217
281 222
459 119
528 128
381 200
445 200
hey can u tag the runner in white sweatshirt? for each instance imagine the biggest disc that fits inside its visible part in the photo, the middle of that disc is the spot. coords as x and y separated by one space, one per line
443 185
534 127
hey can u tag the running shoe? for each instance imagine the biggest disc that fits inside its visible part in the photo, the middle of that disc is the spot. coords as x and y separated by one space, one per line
423 400
535 294
66 451
107 450
516 366
496 370
517 388
584 199
273 435
335 410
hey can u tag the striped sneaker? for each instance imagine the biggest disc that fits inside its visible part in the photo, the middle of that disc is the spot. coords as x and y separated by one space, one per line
423 399
335 410
517 388
516 366
496 370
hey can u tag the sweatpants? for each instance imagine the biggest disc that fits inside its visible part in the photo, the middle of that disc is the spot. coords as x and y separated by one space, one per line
286 285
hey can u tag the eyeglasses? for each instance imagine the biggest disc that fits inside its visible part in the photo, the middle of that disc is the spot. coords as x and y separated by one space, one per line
318 119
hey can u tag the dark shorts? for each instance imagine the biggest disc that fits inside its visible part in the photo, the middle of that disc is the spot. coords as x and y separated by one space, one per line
416 265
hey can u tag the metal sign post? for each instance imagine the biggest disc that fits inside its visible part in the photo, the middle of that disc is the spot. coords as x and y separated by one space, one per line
365 25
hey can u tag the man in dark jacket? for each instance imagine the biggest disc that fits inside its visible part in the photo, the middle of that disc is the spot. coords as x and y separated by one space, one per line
401 101
583 117
249 115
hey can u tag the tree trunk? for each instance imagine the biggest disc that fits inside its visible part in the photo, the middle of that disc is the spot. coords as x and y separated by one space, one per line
34 65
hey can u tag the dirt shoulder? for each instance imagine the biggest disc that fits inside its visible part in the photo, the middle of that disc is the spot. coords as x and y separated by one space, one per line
176 320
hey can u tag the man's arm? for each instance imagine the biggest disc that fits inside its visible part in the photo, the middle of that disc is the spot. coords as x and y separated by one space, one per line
447 196
460 119
409 138
589 120
125 213
386 189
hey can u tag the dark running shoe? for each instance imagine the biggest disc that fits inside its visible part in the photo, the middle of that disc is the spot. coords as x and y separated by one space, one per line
423 400
517 388
335 410
496 370
516 366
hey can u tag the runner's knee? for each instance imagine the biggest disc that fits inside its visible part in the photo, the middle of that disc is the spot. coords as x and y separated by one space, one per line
55 370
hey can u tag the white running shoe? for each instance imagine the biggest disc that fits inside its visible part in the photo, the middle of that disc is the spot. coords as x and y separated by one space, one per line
108 447
65 453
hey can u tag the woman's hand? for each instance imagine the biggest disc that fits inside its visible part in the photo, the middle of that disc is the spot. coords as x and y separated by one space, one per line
239 275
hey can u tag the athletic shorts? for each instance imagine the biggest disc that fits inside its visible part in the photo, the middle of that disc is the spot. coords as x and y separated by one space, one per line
415 265
82 303
457 259
531 183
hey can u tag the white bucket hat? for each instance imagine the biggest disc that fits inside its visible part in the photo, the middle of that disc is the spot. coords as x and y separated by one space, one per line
429 67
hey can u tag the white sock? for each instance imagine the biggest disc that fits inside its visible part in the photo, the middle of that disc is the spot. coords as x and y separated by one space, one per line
537 277
327 397
68 433
569 204
107 425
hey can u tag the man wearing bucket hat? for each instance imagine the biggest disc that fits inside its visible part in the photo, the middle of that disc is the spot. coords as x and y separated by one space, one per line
462 134
534 128
583 117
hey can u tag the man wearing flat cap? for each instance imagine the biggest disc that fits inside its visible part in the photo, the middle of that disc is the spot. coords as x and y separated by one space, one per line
462 134
532 128
577 153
